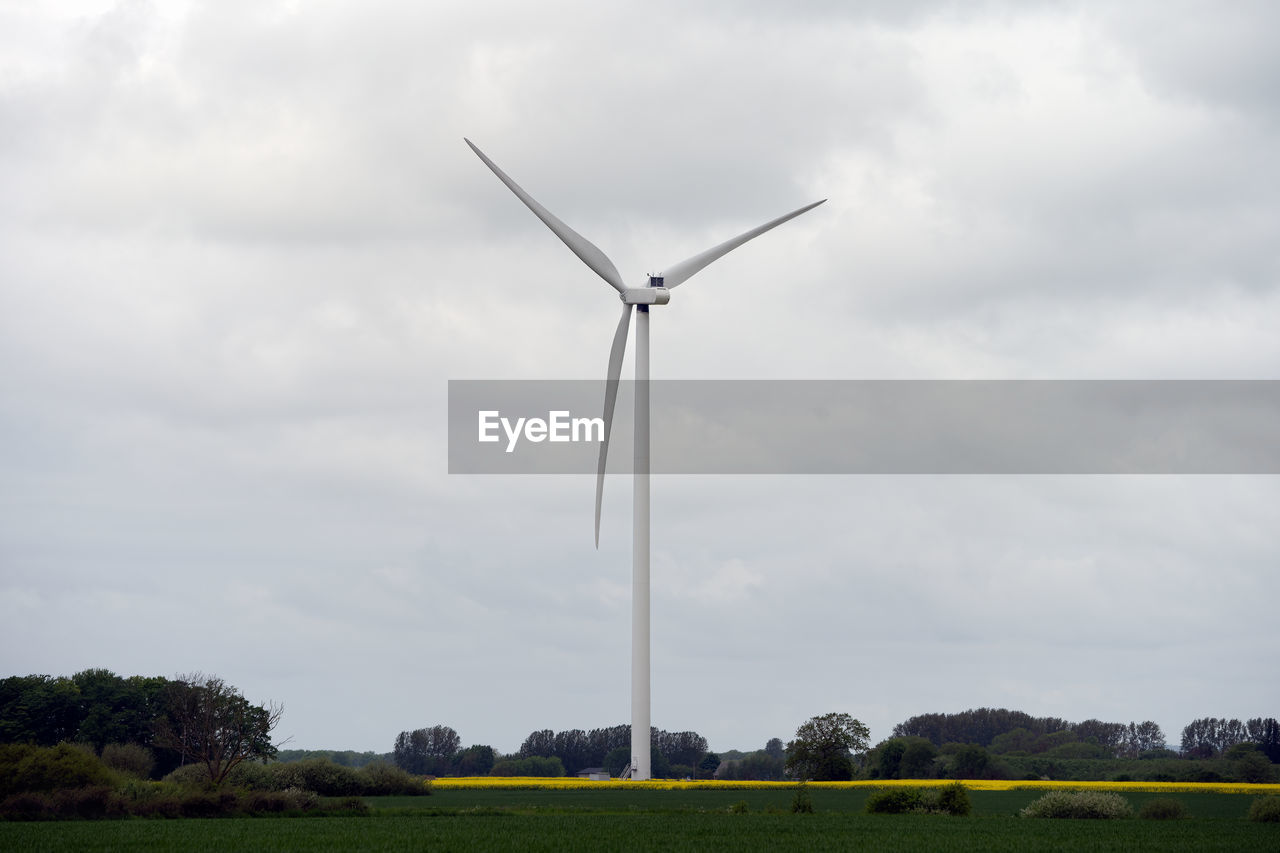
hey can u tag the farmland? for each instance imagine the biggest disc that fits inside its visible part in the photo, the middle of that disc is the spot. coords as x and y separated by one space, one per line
692 817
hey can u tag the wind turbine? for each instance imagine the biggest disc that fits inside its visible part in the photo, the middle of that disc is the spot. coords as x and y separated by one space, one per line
656 291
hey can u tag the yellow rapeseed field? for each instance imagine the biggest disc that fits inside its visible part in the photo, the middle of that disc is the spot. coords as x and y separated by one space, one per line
570 783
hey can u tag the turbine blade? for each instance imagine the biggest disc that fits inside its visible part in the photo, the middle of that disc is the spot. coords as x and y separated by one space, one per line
610 398
673 276
579 245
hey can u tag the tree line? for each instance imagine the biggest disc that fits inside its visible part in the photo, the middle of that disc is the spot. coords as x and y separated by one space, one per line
1004 731
203 721
1211 736
437 751
191 719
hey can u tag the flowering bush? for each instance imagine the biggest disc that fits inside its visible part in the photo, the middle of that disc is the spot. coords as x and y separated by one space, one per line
1079 804
1265 809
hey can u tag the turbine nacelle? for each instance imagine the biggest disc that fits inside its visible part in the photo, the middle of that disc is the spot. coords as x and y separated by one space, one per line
652 295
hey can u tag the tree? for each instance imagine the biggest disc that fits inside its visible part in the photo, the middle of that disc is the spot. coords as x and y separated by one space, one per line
427 752
1109 736
1266 734
604 741
757 765
917 759
475 760
824 746
708 765
680 747
977 725
888 758
617 760
1143 737
534 765
573 749
969 761
39 709
1206 737
539 743
774 749
210 723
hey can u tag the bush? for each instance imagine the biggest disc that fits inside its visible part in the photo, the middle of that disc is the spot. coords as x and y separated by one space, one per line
894 801
1096 805
209 804
131 759
1163 808
26 806
251 776
383 779
1265 809
267 802
92 803
319 775
26 768
189 776
1253 767
533 766
802 803
740 807
350 806
952 799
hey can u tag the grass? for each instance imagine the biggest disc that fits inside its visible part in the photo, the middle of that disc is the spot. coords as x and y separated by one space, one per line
692 819
643 831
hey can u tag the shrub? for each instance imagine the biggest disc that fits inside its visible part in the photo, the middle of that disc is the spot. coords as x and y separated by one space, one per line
209 804
319 775
894 801
1079 804
153 799
26 768
25 806
300 799
954 800
92 803
190 776
1265 809
129 758
740 807
532 766
351 806
266 802
251 776
1253 767
1163 808
383 779
802 803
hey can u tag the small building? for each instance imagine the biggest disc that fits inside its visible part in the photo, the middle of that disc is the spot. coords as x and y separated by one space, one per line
595 774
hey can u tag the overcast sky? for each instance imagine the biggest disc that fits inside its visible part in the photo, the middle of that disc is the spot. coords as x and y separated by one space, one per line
243 247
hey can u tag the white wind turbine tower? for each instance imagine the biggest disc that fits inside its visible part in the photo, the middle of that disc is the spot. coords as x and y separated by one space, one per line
655 291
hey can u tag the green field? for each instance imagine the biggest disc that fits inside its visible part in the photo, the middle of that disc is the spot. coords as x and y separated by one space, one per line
662 820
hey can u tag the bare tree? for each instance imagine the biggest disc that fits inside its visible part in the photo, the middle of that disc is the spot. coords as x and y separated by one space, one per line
210 723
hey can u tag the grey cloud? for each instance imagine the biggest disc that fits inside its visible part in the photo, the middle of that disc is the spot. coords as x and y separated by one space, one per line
244 248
